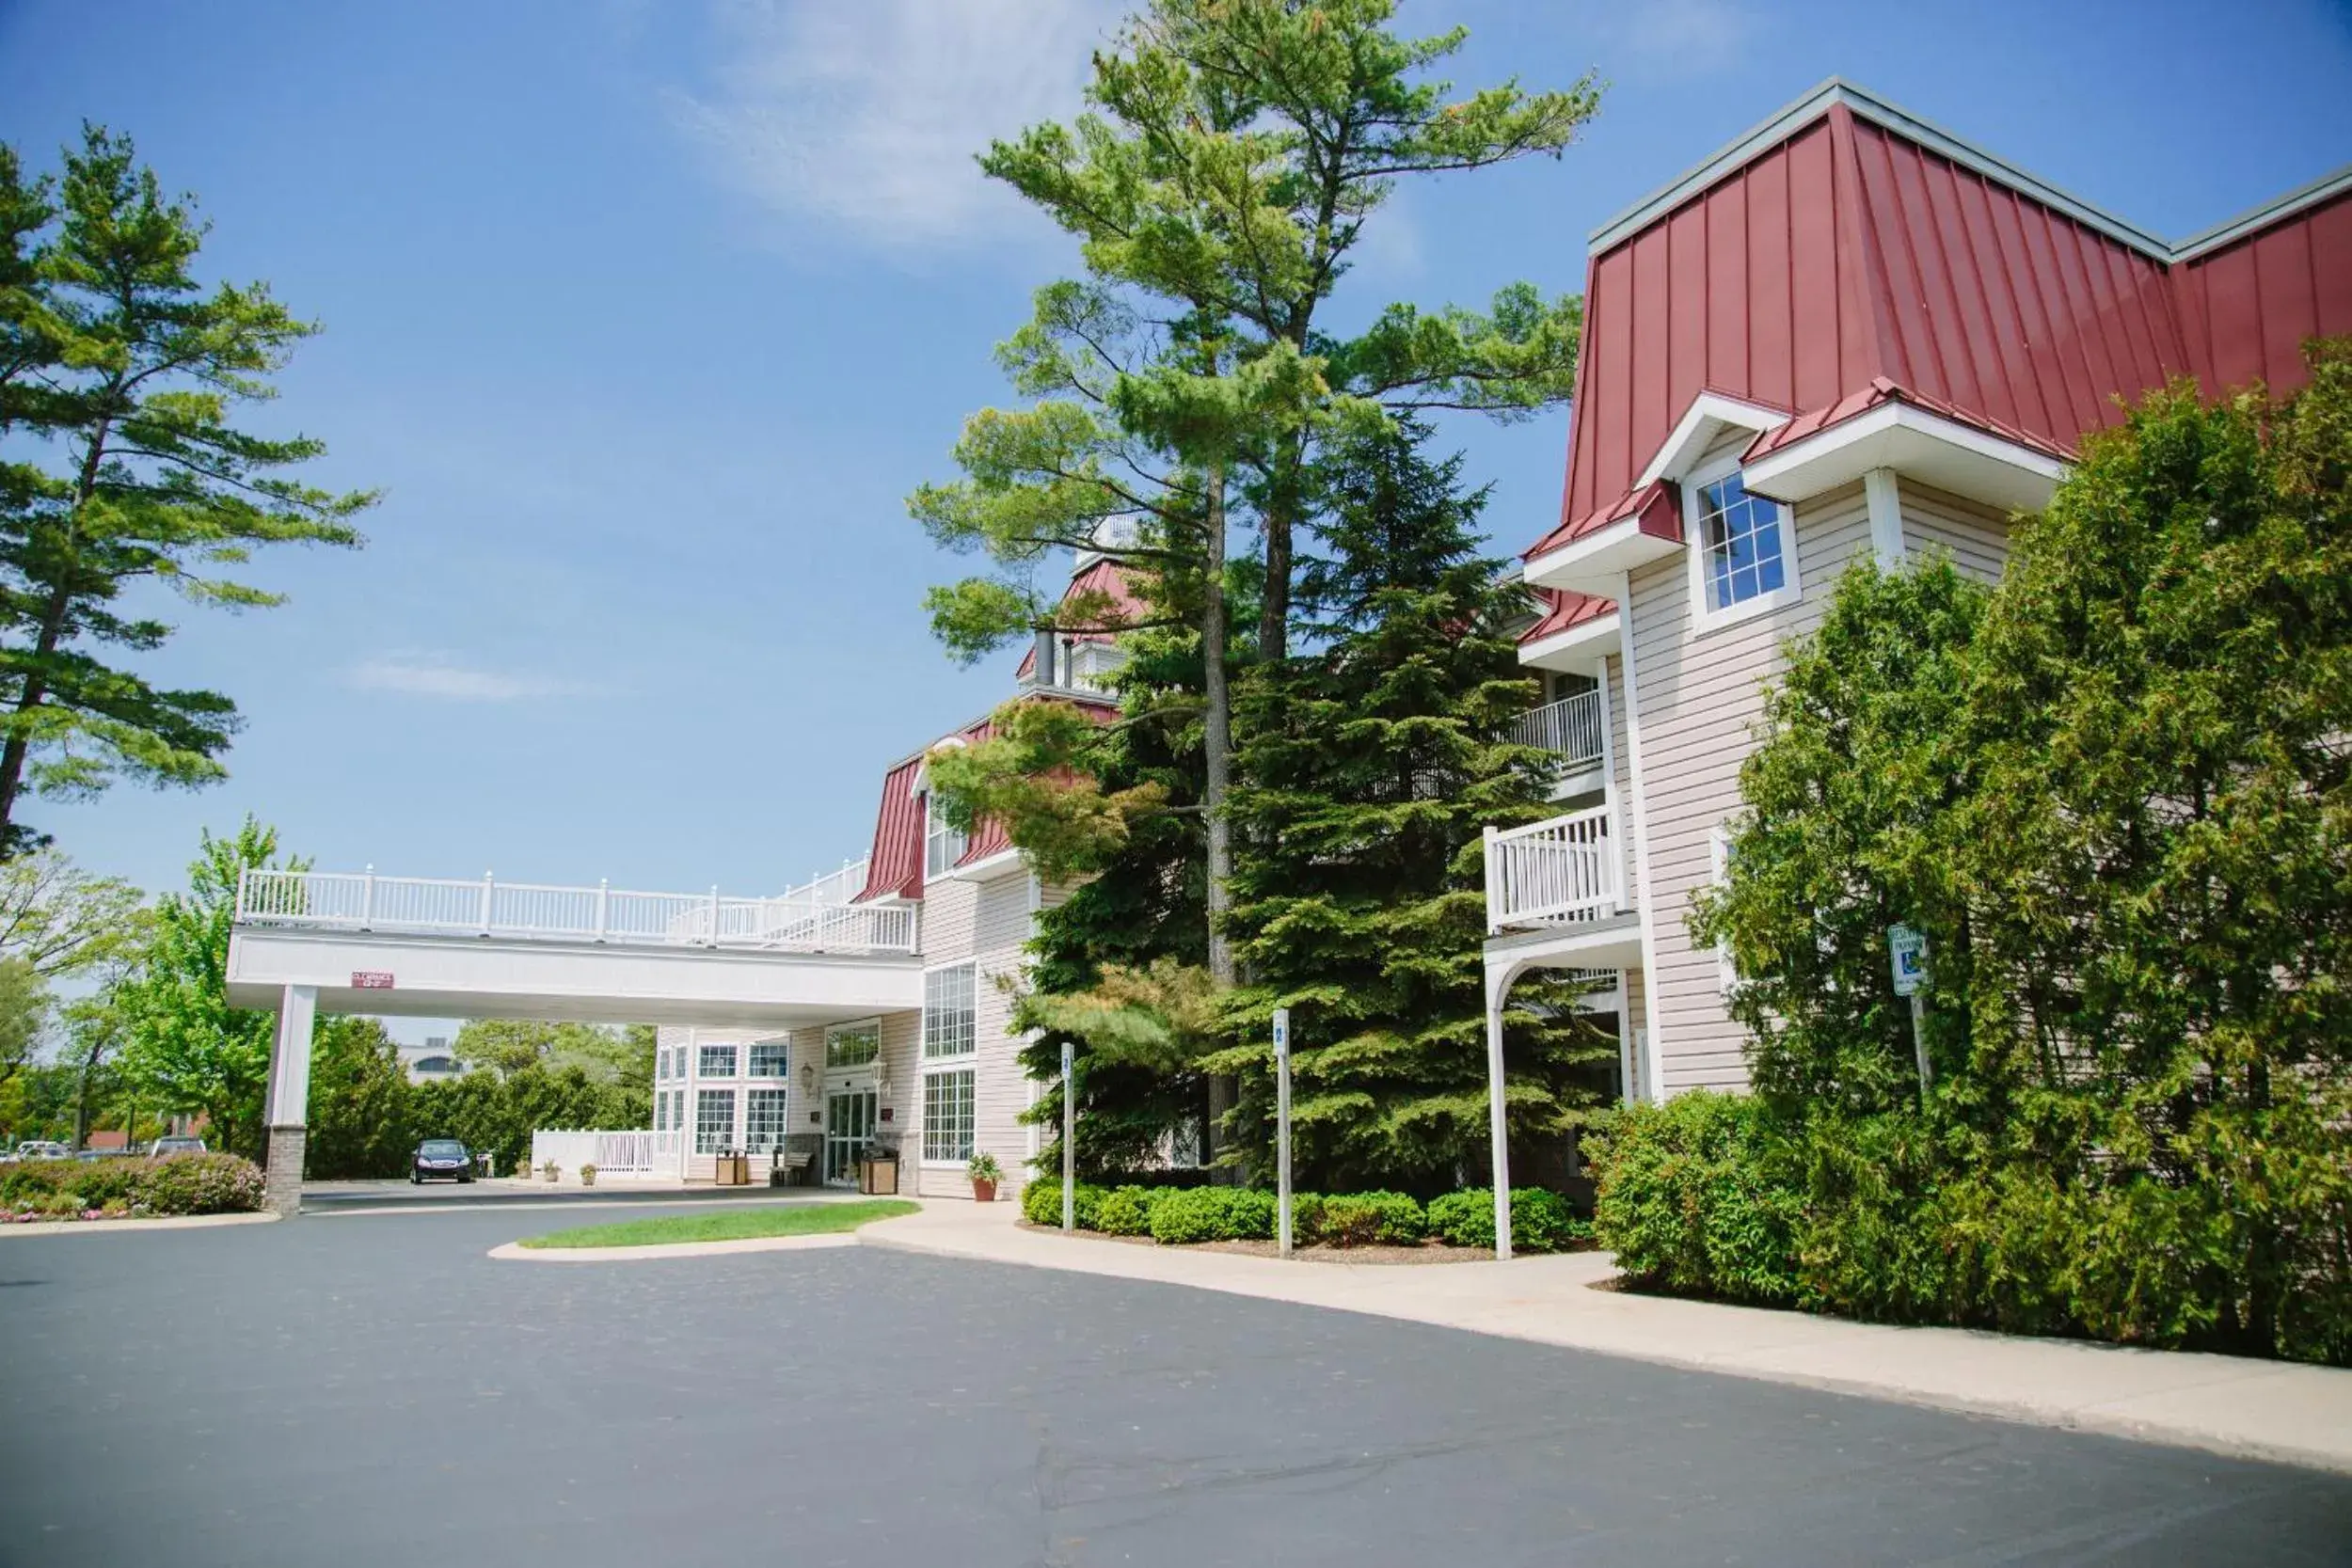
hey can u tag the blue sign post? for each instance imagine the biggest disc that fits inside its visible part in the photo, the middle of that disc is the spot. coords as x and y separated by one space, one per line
1282 1127
1907 951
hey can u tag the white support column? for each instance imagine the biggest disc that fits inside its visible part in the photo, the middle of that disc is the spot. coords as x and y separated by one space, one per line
1498 1122
1643 890
288 1105
1884 500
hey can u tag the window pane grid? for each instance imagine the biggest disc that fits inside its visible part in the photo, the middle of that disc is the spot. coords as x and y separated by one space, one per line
770 1058
714 1119
718 1061
763 1120
1743 543
852 1044
950 1023
947 1115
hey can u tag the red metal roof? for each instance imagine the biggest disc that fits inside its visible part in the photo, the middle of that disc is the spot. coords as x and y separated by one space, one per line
1882 391
1850 254
894 865
1564 611
1106 577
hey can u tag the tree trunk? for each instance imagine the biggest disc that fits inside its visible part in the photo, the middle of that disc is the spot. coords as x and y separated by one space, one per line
1218 747
1218 743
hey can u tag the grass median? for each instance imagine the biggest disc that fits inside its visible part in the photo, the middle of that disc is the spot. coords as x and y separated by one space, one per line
729 1225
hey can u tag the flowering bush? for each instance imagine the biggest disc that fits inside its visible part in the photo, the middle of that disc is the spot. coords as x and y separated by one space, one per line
115 1189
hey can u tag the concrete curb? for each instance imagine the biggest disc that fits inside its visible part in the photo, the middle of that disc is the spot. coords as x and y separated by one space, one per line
2279 1412
172 1222
514 1252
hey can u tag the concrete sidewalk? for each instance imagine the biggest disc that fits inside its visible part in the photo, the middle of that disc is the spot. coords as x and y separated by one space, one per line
2260 1409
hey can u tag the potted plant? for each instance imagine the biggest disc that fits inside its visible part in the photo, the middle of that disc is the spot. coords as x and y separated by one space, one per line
985 1173
588 1173
551 1171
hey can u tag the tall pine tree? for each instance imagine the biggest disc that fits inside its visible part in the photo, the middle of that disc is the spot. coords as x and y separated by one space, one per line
1370 762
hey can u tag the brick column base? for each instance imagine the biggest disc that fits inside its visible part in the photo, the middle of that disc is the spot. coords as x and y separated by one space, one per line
281 1176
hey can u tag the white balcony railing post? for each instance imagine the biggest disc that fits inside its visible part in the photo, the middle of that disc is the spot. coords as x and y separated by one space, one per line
604 907
714 914
367 900
1559 871
488 892
1493 902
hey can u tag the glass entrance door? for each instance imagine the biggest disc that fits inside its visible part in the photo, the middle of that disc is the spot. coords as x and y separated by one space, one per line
851 1112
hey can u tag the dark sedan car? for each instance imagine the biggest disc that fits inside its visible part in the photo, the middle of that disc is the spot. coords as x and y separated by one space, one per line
442 1160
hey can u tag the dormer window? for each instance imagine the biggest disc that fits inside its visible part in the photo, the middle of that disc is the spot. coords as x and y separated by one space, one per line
1744 562
943 846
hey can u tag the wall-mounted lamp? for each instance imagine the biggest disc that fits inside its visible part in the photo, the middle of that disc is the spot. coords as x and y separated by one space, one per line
808 1078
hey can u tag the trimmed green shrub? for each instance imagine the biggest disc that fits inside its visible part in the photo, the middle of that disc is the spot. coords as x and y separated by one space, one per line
1690 1200
1040 1203
1363 1219
1541 1220
1212 1214
1127 1211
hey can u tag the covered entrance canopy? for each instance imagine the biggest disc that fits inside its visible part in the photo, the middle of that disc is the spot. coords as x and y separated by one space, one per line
406 946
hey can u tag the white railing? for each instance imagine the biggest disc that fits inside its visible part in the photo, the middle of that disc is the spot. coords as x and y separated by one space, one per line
627 1152
367 902
1574 726
1554 871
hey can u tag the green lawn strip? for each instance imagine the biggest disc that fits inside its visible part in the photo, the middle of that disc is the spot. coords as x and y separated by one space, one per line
728 1225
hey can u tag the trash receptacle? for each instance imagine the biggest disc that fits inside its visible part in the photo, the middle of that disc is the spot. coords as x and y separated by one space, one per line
878 1175
734 1169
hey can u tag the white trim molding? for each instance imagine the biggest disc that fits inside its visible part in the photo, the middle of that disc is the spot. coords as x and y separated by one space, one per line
1926 446
1885 500
1602 557
1706 615
1701 426
1573 650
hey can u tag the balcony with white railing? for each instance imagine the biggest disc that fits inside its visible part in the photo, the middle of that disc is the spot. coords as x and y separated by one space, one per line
1576 726
803 921
1561 871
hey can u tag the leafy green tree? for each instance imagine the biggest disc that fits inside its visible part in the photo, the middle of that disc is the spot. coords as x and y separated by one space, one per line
1235 152
64 922
359 1112
509 1046
185 1046
116 358
25 1009
1371 764
2115 794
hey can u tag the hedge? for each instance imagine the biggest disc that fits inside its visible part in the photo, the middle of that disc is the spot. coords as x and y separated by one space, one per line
1541 1221
183 1184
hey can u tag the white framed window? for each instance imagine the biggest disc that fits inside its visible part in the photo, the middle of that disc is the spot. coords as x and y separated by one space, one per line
718 1061
1743 549
947 1116
714 1120
852 1044
950 1019
763 1120
677 1061
943 846
770 1058
661 1110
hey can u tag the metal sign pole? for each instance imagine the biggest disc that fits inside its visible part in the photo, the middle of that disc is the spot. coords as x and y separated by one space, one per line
1282 1126
1907 953
1069 1139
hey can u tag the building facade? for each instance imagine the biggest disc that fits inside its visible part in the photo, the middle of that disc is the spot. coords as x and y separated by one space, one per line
1848 334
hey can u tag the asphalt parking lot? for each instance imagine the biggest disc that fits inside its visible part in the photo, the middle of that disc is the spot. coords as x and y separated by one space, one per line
360 1389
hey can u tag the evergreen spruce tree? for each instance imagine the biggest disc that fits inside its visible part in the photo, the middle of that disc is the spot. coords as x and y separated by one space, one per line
1369 764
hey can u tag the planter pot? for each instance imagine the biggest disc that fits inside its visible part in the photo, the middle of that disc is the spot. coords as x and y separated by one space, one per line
587 1178
983 1192
551 1175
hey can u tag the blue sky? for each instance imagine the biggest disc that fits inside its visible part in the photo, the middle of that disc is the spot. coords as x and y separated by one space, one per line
648 316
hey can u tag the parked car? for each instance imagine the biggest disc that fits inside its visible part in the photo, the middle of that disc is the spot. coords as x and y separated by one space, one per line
165 1148
440 1160
42 1149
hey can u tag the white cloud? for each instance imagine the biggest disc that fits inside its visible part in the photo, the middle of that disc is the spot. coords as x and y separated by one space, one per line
866 115
430 675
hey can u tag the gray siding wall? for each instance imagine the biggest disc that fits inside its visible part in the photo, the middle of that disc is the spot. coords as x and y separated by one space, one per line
1701 699
1975 536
